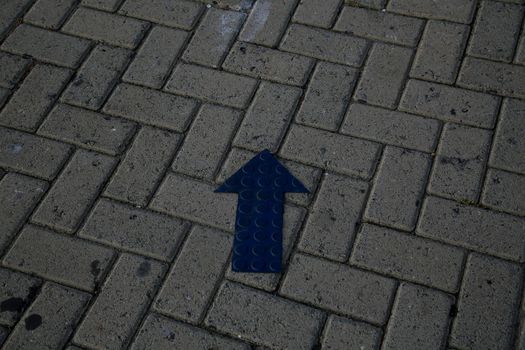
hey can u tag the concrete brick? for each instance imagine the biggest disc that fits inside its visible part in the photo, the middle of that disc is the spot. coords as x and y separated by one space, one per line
267 22
494 77
17 291
11 10
496 31
46 46
496 285
334 217
420 319
198 267
35 97
211 85
450 10
74 191
263 318
342 333
207 141
97 77
115 315
317 13
19 194
391 127
408 257
265 63
87 129
339 288
142 168
439 54
163 333
327 97
268 117
396 195
324 45
58 257
509 140
384 75
505 191
450 104
23 152
151 107
460 163
49 13
155 57
375 4
136 230
474 228
378 25
106 5
12 68
330 151
214 36
106 27
180 14
50 320
195 201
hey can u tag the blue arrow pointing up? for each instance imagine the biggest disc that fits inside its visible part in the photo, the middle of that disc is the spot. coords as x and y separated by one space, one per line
261 184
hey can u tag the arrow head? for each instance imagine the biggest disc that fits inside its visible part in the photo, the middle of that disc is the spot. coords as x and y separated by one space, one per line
263 171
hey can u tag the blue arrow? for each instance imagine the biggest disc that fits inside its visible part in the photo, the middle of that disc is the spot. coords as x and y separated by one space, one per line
261 184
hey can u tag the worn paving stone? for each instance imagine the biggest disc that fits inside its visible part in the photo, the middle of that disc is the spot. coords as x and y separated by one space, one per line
504 191
450 10
343 333
49 13
317 13
17 291
12 68
11 9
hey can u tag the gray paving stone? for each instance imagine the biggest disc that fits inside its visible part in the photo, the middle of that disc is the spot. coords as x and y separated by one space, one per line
439 54
12 68
151 107
474 228
379 25
97 77
504 191
163 333
327 97
324 45
49 13
142 168
375 4
420 319
330 151
339 288
180 14
382 79
11 9
106 5
46 46
214 36
17 291
494 77
74 191
450 10
50 320
265 63
396 195
495 284
87 129
263 318
331 226
409 258
496 31
342 333
136 230
460 162
317 13
211 85
449 103
198 267
35 97
19 194
236 5
266 121
107 27
206 141
155 57
23 152
267 22
58 257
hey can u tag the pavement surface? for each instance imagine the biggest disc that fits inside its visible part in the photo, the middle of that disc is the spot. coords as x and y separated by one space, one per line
404 118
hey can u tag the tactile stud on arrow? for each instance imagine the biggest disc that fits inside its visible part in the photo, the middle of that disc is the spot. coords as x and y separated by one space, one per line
261 184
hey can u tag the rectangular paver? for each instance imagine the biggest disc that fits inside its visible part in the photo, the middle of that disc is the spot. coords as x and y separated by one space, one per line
11 9
12 68
344 333
317 13
181 14
450 10
504 191
18 290
49 13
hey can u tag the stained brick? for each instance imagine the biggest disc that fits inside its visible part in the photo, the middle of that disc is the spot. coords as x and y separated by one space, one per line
450 10
505 191
16 287
49 13
317 13
180 14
